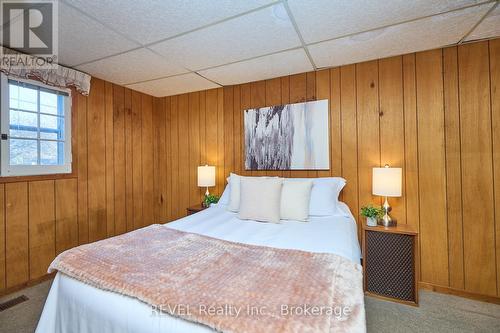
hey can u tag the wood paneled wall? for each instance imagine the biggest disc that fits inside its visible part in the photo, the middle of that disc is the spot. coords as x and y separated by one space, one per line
436 114
110 191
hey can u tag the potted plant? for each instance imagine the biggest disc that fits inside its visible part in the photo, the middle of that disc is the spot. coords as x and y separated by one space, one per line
372 214
210 199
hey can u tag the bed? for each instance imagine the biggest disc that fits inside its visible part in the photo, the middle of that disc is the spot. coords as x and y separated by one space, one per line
73 306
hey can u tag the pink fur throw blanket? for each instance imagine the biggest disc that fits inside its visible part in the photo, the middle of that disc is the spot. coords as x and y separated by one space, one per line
230 287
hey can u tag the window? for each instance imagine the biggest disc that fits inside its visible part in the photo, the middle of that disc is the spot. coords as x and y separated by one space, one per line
36 128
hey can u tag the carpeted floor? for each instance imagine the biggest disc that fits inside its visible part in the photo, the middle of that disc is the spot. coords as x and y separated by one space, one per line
437 313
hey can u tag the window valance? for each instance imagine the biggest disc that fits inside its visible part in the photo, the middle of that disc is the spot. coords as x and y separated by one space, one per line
56 75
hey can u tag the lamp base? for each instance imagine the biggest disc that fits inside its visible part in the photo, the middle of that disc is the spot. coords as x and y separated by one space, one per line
387 224
387 220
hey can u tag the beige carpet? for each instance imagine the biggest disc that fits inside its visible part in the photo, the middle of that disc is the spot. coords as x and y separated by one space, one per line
437 313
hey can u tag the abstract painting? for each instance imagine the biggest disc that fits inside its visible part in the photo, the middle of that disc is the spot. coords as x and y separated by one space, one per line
287 137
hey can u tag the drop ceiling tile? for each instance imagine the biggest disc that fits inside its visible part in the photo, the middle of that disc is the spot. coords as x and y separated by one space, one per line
323 19
148 21
279 64
82 39
130 67
174 85
423 34
258 33
488 28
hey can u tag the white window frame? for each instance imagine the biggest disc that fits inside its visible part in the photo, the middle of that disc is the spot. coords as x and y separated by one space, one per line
7 170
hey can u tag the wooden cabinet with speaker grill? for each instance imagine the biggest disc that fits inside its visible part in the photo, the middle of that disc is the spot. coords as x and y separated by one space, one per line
390 263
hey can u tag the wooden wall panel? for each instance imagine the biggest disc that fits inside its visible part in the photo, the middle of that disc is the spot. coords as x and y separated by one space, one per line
453 168
183 114
349 141
333 96
194 147
96 141
176 209
160 167
432 171
368 129
136 119
477 172
66 214
41 218
220 183
410 141
16 234
238 131
83 223
495 126
129 161
168 157
228 134
392 124
147 160
110 172
119 160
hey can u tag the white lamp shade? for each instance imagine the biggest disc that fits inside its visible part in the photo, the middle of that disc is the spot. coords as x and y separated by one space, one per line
206 176
387 182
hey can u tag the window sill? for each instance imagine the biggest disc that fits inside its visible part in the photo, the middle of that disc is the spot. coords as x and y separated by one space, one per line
13 179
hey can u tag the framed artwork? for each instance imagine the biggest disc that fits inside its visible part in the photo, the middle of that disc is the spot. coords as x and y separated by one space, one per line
288 137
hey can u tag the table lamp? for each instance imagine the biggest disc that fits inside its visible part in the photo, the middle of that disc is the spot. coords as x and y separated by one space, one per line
387 183
206 177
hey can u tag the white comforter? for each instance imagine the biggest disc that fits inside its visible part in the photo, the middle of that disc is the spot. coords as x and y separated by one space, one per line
73 306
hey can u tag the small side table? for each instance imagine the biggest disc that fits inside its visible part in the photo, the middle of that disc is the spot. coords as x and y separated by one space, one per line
195 209
390 263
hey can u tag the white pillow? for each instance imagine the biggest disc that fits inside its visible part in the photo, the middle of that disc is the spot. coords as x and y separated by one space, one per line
234 194
325 195
260 199
224 198
295 198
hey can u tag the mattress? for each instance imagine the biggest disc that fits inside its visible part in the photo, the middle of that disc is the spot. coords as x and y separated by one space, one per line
73 306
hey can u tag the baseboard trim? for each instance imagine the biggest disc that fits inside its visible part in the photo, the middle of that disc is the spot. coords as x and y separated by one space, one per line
27 284
459 292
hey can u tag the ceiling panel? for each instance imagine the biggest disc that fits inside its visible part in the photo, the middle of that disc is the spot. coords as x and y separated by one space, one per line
424 34
244 37
134 66
82 39
323 19
279 64
174 85
148 21
488 28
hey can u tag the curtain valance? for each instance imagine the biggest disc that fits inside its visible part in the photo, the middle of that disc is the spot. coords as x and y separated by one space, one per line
54 75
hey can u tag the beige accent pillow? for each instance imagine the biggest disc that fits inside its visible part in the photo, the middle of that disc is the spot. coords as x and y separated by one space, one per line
260 199
295 198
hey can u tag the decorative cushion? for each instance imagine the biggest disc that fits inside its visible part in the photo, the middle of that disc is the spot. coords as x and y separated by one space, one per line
260 199
295 198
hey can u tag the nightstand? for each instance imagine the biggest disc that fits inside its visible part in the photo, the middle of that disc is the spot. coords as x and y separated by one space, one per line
390 263
195 209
